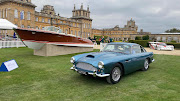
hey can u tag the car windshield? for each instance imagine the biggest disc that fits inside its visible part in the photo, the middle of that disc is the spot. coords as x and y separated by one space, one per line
122 48
163 44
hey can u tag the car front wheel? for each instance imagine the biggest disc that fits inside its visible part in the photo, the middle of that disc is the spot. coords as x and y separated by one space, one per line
115 75
146 65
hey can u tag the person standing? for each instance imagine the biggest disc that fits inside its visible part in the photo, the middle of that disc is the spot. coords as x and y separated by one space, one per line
110 39
102 39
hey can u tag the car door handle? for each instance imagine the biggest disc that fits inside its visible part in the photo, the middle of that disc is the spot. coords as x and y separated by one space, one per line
128 61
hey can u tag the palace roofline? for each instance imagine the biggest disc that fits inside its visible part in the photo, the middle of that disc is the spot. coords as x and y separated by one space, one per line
56 17
19 2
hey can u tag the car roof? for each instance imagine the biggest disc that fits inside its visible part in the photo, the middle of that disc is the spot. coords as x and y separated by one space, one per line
118 43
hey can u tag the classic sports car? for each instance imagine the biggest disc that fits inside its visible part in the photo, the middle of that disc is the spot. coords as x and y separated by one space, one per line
115 60
160 46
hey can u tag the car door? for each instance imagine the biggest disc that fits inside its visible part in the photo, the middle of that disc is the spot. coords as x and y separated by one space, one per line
138 57
135 60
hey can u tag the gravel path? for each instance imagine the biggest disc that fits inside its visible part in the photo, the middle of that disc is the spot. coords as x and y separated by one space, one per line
175 52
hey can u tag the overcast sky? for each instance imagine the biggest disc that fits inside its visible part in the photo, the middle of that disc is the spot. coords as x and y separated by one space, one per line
153 16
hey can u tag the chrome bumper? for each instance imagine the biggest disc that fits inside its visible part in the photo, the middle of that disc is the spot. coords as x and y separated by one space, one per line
153 60
94 74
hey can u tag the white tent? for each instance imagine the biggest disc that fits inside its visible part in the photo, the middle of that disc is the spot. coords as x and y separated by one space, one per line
6 25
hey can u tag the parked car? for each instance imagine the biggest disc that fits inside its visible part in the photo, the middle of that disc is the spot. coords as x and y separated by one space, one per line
114 61
153 45
161 46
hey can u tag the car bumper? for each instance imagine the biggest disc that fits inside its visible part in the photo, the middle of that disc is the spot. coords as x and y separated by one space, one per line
166 48
152 60
89 73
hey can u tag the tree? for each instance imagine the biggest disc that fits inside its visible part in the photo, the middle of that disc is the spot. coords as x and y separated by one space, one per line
137 38
173 30
146 37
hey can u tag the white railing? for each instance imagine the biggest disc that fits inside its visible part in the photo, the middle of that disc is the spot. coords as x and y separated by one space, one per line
10 44
102 45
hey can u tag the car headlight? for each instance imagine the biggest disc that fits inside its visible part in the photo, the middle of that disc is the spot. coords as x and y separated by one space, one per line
101 64
72 60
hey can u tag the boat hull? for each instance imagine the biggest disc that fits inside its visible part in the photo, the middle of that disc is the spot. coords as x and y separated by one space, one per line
35 39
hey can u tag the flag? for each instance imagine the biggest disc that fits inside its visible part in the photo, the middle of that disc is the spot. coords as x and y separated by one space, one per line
14 36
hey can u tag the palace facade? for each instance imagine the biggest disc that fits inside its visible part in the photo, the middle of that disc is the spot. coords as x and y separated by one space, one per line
22 13
118 33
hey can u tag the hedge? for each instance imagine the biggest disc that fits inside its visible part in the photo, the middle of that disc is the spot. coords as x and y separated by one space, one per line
144 43
176 45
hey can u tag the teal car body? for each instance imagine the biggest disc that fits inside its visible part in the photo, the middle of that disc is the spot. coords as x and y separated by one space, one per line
129 62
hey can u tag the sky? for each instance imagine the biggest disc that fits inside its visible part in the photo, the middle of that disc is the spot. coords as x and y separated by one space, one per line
155 16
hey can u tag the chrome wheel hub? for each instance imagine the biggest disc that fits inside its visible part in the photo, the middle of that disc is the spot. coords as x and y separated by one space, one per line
146 64
116 74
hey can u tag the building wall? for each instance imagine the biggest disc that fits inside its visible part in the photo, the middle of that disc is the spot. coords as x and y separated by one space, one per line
160 37
7 10
38 20
118 33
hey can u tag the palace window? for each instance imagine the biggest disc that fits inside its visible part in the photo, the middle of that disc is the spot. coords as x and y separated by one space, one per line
75 24
37 27
42 19
36 18
28 26
22 26
71 31
75 33
0 13
66 31
88 34
54 22
42 28
61 22
16 13
22 15
6 12
79 33
49 21
28 16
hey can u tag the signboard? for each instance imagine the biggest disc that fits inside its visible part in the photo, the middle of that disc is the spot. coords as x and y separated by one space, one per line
8 66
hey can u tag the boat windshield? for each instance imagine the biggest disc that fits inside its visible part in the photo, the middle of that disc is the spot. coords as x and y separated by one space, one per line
52 28
121 48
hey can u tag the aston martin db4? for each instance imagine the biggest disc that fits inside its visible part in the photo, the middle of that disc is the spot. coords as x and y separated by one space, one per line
114 61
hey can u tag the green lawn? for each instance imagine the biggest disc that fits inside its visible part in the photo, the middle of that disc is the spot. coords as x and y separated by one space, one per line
49 78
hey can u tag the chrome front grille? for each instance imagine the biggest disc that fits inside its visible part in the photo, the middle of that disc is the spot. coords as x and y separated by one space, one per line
86 66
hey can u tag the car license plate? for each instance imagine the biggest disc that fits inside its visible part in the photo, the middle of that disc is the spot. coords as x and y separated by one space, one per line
82 72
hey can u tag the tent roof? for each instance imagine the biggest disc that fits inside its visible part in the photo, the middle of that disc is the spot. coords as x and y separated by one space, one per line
6 25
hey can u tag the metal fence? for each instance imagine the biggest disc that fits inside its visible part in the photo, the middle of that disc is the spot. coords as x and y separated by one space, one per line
10 44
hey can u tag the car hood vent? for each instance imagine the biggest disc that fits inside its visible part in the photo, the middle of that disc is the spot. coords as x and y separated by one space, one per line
90 56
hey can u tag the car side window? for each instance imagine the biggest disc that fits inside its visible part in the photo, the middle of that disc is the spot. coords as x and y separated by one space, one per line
136 49
142 49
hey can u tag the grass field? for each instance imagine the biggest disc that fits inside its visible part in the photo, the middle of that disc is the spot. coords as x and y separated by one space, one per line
50 79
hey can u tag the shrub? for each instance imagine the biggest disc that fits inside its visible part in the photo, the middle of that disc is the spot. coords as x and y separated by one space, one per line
146 37
173 41
98 42
144 43
176 45
137 38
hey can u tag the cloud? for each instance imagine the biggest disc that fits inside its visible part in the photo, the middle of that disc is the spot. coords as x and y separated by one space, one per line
154 16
